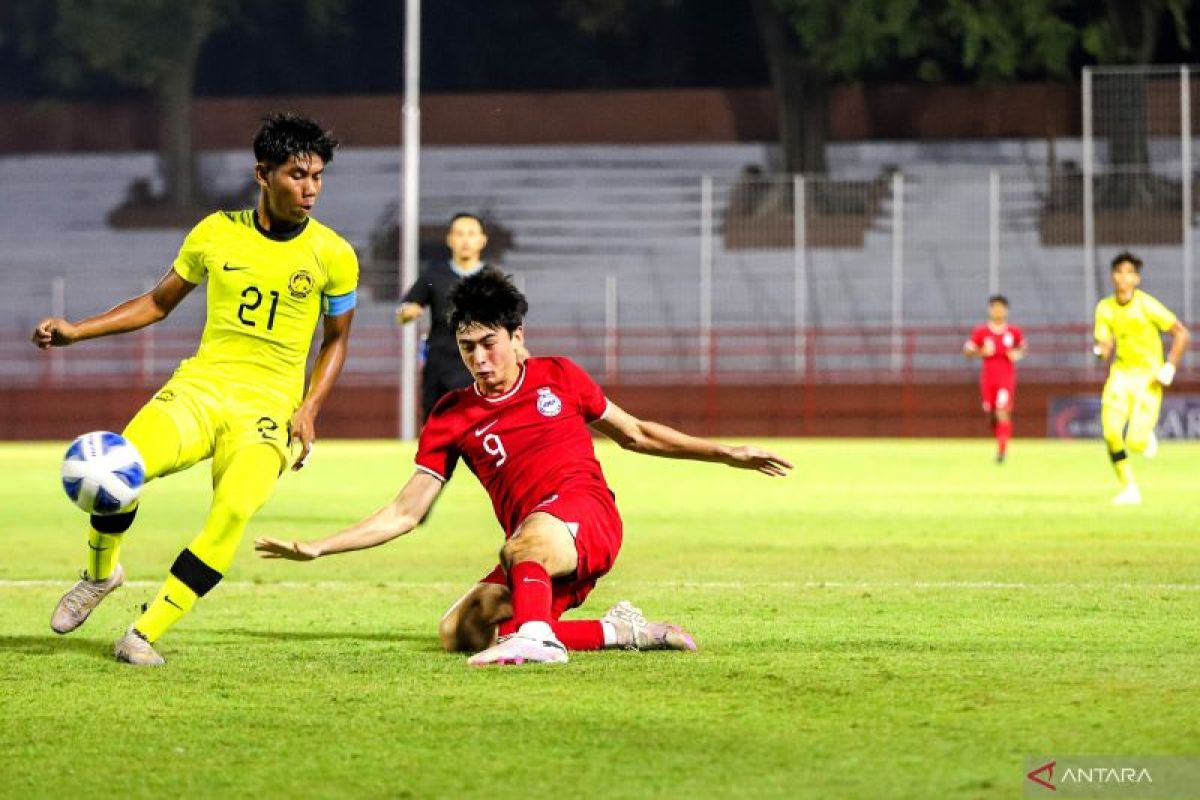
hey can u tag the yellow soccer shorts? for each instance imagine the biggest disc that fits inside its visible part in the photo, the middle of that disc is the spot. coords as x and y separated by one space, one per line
1129 409
191 419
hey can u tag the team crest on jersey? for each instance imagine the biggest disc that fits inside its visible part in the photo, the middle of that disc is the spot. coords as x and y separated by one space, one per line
166 395
300 285
548 404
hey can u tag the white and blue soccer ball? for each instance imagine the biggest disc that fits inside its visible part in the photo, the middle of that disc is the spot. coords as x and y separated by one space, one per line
103 473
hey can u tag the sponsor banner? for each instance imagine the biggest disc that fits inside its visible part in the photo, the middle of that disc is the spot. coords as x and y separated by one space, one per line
1112 776
1077 416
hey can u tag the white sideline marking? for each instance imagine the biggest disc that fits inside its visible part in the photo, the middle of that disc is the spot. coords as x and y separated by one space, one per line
960 585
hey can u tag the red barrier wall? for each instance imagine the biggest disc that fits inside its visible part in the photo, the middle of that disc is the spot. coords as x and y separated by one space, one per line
937 410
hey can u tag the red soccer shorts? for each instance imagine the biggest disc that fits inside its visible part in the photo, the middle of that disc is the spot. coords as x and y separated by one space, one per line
591 516
998 394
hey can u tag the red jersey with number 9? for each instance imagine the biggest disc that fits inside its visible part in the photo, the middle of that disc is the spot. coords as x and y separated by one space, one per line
526 445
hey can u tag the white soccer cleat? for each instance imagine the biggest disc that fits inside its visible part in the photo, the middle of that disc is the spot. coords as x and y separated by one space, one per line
533 643
1131 495
1151 447
635 632
133 648
76 605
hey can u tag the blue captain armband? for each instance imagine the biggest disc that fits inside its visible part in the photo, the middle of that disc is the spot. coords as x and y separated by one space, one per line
333 305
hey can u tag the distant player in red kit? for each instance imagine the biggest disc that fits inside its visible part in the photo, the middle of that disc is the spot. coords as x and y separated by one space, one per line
522 428
1000 346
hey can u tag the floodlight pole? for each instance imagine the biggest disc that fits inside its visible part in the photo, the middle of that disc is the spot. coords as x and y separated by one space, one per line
1089 210
1185 139
994 232
799 270
410 221
897 270
706 268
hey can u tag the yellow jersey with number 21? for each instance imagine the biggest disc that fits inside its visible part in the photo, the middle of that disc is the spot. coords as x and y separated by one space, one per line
266 292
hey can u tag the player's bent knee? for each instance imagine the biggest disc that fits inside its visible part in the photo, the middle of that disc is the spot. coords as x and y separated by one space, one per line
544 539
455 638
466 634
470 624
235 515
448 635
527 548
520 549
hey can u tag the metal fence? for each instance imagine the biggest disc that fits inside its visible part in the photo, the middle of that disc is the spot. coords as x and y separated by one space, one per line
614 355
1138 165
654 270
771 264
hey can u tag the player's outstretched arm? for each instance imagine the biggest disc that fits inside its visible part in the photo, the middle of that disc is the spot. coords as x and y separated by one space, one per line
330 358
135 313
970 349
655 439
395 519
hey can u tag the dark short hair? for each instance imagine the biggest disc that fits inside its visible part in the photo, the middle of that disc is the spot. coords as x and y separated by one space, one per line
1123 256
998 298
286 134
467 215
488 298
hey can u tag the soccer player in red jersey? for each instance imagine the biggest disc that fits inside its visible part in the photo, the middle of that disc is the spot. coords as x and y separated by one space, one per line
522 428
1000 346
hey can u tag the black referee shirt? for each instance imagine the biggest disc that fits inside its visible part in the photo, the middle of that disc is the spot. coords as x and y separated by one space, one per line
432 290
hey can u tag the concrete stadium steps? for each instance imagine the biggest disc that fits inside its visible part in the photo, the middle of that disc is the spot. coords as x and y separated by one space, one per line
579 214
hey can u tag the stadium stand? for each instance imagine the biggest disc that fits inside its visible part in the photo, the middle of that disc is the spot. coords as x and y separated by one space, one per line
578 214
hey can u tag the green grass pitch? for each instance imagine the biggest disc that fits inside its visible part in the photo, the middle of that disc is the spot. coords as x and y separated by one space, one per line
895 619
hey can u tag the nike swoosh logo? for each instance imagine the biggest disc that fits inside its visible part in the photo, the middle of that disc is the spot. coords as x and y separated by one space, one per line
534 580
167 598
97 549
228 268
485 428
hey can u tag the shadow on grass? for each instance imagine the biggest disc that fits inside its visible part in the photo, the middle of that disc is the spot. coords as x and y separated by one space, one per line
428 640
50 645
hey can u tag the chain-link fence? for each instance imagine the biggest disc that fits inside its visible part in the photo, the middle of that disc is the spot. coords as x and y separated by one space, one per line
1138 170
778 278
647 269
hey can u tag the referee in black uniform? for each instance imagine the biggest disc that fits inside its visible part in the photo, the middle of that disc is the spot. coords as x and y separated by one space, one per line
444 370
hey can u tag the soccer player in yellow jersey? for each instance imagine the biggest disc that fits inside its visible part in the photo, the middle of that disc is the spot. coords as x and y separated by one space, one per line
1131 323
272 271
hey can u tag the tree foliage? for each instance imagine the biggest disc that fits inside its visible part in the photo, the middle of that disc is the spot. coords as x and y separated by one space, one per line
829 41
135 42
152 45
1127 31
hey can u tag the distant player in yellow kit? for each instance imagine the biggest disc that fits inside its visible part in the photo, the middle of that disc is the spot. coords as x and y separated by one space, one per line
272 272
1132 322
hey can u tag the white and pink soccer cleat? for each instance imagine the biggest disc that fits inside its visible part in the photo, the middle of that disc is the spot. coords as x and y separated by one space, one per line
533 643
